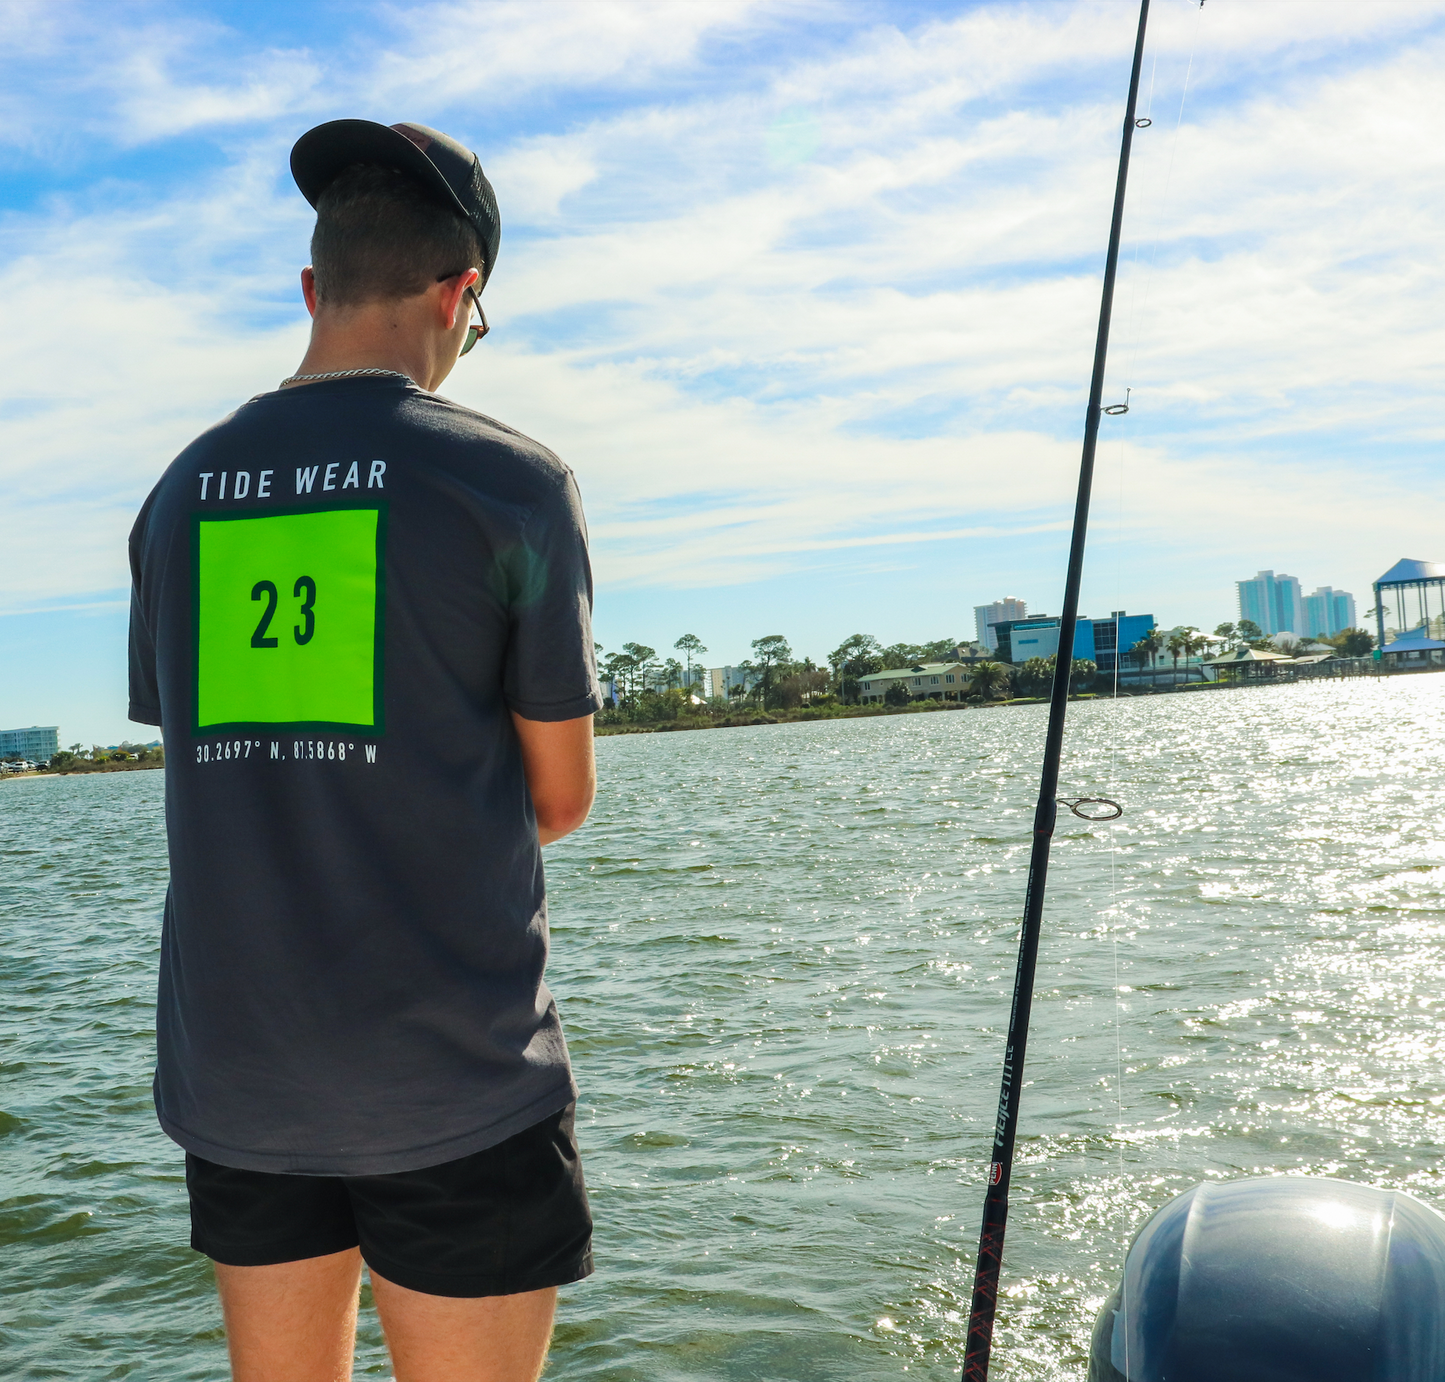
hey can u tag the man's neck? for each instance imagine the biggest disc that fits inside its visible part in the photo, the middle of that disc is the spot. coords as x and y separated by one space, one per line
373 335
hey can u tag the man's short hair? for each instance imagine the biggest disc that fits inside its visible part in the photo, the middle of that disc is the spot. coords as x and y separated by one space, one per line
381 235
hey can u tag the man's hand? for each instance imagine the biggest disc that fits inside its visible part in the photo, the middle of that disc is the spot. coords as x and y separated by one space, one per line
561 772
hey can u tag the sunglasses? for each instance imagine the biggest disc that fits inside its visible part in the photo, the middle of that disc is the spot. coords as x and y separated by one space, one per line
475 330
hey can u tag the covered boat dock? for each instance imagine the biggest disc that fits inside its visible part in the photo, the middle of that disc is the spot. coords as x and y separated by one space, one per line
1413 592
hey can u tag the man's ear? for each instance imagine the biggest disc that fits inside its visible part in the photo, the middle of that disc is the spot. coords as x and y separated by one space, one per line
454 297
308 288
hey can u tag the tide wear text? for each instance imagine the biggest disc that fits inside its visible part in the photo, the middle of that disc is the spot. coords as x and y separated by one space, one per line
238 482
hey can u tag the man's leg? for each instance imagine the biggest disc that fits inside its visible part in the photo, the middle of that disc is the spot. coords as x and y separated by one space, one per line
292 1322
448 1339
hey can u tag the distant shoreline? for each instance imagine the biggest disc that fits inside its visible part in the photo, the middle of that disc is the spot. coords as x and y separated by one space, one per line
88 770
853 712
808 716
800 715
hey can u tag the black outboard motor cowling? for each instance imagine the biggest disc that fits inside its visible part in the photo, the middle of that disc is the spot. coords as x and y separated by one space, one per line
1279 1279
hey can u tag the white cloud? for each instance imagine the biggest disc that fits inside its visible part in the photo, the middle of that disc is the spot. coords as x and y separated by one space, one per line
151 104
1296 246
78 77
873 333
536 174
161 71
497 48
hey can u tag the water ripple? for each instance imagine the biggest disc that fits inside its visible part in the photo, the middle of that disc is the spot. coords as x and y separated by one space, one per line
783 956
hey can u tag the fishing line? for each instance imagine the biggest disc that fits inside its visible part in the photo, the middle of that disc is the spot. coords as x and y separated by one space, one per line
1140 292
1115 910
1116 920
1116 917
1140 289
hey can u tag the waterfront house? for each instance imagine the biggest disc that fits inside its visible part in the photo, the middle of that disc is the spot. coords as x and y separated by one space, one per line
946 681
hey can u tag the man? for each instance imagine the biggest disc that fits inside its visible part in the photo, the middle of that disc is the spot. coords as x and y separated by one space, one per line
362 615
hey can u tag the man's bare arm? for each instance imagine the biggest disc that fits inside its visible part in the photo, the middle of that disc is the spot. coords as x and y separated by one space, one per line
561 772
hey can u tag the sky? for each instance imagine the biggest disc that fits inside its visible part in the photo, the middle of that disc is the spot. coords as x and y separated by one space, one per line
804 291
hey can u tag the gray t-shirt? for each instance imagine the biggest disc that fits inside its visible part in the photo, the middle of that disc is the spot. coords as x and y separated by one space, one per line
340 593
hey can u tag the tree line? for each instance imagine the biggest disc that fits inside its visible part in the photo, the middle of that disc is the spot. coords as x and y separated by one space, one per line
653 687
773 677
1247 634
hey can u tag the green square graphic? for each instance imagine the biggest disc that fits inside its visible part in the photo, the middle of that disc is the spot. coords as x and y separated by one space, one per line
288 619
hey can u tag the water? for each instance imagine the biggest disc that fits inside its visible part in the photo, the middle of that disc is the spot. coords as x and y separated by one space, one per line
783 956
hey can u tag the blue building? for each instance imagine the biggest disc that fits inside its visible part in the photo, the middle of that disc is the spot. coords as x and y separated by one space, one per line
1327 612
1273 602
1109 637
1098 640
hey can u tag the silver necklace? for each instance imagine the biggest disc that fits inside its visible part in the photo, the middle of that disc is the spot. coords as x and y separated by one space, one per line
339 374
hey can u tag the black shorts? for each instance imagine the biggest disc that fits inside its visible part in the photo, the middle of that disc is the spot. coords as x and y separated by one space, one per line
511 1218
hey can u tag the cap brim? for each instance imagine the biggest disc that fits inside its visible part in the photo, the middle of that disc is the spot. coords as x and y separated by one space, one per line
320 154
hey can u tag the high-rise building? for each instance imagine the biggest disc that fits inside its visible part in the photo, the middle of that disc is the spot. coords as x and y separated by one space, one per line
1273 602
1344 610
1288 604
985 616
39 743
721 681
1327 611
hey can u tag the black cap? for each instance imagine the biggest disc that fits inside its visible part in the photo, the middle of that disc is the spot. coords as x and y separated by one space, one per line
434 159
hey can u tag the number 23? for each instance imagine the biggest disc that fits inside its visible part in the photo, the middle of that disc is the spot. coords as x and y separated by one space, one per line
301 632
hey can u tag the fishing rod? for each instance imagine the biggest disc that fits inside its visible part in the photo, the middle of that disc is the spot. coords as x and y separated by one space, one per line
995 1204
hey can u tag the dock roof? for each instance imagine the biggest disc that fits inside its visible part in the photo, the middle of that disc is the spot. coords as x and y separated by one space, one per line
1413 641
1407 571
1247 655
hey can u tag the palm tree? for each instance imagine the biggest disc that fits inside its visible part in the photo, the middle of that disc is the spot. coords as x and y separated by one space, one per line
989 678
1178 643
1139 654
1083 671
1147 648
1195 644
1156 640
1036 676
1198 645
